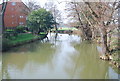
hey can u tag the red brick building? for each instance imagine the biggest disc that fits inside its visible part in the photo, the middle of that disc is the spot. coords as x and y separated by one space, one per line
0 7
15 14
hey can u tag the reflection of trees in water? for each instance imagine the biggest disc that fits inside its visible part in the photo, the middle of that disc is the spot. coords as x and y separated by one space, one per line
5 74
53 38
31 47
83 64
56 35
15 59
86 64
12 62
42 53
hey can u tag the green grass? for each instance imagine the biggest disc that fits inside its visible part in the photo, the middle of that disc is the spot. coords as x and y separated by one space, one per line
65 29
22 38
9 30
19 39
43 33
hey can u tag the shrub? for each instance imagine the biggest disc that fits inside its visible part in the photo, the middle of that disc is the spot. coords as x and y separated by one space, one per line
40 21
5 44
9 34
20 29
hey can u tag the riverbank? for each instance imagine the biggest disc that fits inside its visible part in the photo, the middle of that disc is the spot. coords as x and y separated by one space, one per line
20 40
67 30
114 48
42 58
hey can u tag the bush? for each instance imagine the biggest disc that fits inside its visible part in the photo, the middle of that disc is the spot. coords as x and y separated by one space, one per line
40 20
20 29
5 44
9 34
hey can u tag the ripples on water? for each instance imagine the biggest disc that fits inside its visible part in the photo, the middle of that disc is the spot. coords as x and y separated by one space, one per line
60 56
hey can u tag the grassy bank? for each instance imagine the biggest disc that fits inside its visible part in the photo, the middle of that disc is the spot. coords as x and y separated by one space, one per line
20 39
65 29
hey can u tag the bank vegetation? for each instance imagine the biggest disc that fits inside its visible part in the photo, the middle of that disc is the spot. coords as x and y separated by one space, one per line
99 22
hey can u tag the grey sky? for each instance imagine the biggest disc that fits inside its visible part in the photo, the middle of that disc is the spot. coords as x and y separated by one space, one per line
60 5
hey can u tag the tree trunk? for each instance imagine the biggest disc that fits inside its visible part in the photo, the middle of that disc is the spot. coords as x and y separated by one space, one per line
3 14
82 27
93 33
56 27
104 40
1 23
109 40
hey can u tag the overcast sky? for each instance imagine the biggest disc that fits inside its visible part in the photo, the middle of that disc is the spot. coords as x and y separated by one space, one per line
60 4
0 1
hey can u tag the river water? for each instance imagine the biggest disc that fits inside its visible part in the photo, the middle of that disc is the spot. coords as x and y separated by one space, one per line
61 56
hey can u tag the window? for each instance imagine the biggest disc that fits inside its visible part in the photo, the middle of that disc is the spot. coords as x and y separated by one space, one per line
13 3
21 23
12 15
12 22
21 16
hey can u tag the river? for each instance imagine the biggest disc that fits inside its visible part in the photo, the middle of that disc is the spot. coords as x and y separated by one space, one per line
60 56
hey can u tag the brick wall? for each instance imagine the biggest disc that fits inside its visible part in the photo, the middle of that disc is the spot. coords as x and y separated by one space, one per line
15 14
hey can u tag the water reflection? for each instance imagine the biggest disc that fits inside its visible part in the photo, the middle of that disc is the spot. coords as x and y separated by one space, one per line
60 56
87 60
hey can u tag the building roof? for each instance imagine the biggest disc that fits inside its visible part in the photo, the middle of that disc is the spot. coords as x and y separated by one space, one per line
19 1
14 1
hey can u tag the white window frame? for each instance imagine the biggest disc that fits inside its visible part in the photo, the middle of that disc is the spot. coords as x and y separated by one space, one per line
21 16
13 3
21 23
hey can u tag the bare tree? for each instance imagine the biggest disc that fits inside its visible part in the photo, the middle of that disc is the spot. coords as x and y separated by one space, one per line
32 5
52 7
77 16
4 4
103 21
96 16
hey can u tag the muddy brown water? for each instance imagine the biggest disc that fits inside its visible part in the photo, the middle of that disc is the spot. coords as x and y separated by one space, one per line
61 56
